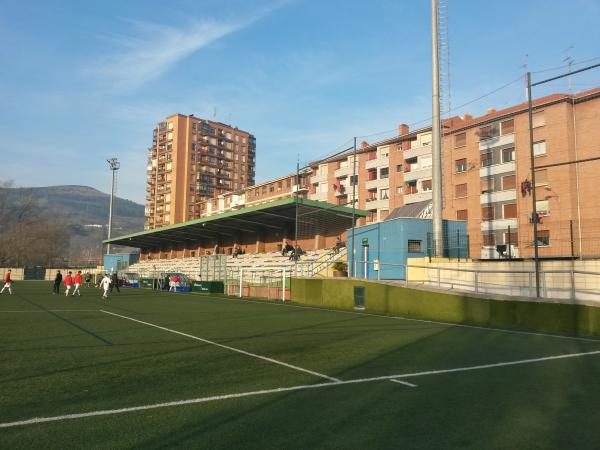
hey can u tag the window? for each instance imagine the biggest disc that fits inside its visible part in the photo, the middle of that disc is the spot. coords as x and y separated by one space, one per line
461 165
399 168
426 185
486 159
462 214
399 190
542 207
539 148
508 155
488 132
353 180
384 172
538 119
541 177
512 238
414 246
489 240
543 237
487 185
271 188
487 213
509 211
425 162
508 126
509 182
460 190
384 194
460 140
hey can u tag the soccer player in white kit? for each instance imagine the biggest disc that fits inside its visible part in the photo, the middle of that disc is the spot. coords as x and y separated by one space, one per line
105 284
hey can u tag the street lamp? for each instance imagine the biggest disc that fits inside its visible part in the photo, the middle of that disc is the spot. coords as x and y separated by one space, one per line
113 165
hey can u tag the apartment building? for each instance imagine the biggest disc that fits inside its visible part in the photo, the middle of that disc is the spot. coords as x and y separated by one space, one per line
488 182
486 178
193 160
388 174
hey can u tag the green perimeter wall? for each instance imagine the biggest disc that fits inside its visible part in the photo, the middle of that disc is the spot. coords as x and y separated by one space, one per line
445 307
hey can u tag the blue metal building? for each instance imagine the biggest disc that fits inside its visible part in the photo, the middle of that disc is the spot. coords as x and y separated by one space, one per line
394 241
119 261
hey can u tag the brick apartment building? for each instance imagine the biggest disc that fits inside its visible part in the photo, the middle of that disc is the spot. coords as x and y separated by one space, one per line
192 160
486 178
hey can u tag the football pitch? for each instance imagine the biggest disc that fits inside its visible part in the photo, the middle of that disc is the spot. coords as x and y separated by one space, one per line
158 370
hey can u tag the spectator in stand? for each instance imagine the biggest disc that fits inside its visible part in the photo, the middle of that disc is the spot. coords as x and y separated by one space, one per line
57 283
7 282
68 283
287 248
234 252
296 253
216 249
78 282
339 244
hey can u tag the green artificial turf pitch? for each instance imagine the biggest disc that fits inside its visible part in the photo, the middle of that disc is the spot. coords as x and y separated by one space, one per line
65 356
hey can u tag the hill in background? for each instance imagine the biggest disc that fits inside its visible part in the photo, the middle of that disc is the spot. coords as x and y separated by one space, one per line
84 212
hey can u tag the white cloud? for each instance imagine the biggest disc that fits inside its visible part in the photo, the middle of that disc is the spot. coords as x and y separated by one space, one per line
152 49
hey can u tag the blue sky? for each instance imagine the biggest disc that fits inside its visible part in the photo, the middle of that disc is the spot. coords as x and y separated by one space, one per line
85 81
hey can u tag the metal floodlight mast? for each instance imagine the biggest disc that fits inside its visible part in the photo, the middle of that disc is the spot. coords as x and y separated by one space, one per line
113 165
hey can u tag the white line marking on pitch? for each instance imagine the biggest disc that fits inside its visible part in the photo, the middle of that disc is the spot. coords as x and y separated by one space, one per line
449 324
107 412
51 310
243 352
405 383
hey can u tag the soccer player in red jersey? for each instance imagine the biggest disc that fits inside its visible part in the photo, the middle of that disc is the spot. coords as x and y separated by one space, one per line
68 283
7 283
78 279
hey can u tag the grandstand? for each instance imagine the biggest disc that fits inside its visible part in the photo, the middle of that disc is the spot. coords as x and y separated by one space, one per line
217 267
260 232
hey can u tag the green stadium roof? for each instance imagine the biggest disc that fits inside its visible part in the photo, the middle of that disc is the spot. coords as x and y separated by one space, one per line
313 217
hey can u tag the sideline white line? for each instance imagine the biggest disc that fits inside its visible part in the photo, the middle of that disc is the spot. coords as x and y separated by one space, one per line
405 383
411 319
107 412
243 352
51 310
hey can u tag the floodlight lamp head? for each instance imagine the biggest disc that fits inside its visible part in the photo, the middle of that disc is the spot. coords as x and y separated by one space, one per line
113 164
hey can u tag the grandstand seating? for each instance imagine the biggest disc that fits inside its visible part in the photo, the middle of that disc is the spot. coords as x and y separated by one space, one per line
310 264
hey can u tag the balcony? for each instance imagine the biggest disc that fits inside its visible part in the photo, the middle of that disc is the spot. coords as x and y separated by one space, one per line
417 151
498 196
418 174
383 161
497 141
320 196
345 171
417 197
497 169
318 178
376 203
380 183
499 224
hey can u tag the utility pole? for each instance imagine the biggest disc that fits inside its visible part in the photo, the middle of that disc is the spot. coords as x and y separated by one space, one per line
354 181
436 143
113 165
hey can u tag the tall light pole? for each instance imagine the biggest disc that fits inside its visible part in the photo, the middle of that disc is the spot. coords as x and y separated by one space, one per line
436 143
113 165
